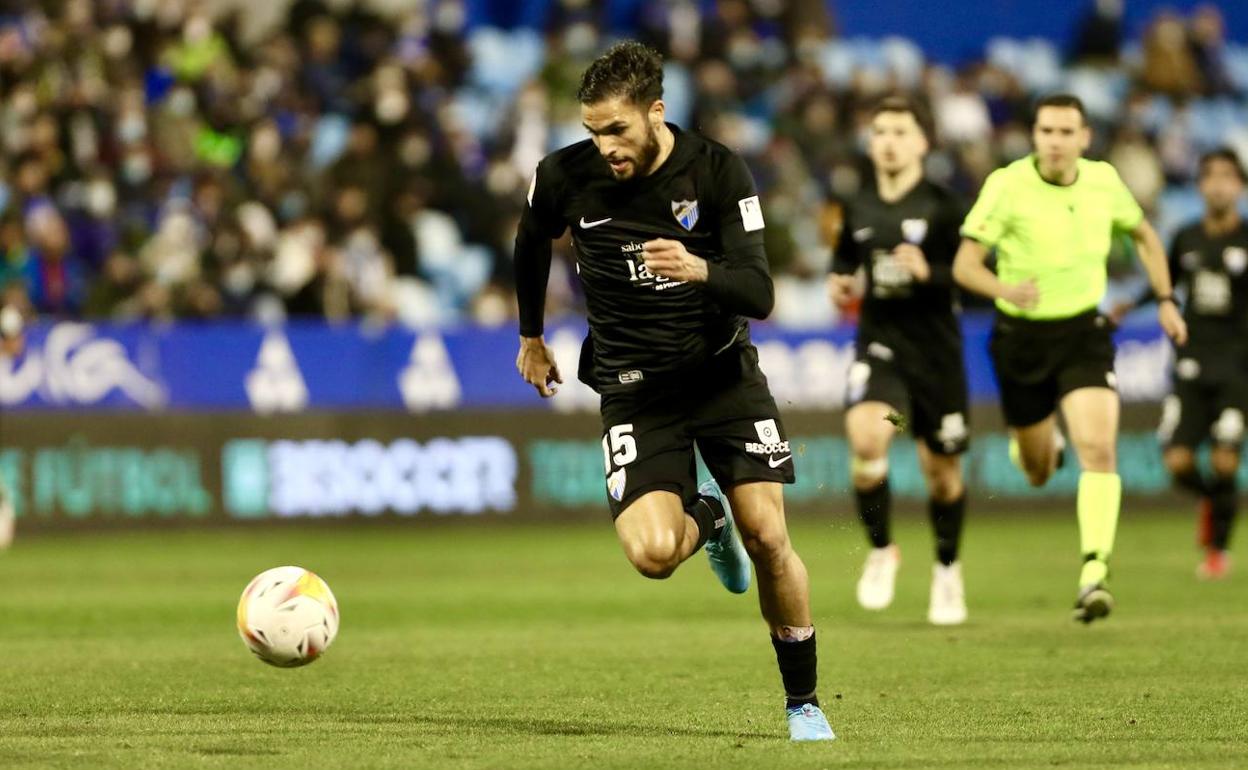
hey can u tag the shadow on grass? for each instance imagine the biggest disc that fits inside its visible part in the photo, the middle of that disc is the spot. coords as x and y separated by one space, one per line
538 726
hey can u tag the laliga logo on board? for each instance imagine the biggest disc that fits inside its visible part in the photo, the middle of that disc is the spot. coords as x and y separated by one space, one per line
276 384
75 367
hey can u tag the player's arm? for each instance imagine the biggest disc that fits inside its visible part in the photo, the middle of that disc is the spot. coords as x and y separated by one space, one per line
1153 257
740 283
843 283
985 224
934 264
539 224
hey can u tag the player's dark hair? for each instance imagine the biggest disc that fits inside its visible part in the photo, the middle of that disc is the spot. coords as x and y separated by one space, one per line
1221 153
907 105
1059 100
630 69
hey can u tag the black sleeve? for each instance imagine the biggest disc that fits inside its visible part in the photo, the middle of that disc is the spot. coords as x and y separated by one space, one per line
945 240
539 224
845 258
740 283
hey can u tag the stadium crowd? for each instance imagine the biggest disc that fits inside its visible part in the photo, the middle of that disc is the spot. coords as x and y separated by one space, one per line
180 159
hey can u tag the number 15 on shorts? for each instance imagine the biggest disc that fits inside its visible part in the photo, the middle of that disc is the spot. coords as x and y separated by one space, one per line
619 448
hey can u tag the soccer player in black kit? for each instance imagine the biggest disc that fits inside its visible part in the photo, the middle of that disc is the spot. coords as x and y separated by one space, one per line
902 232
668 232
1209 259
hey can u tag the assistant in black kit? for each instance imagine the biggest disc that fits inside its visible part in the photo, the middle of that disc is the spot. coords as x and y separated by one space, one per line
668 232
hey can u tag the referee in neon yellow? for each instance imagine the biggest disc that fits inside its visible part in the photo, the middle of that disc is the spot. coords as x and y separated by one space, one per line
1050 218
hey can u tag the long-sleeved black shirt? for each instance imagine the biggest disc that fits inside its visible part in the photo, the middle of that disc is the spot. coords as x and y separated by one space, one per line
644 329
913 319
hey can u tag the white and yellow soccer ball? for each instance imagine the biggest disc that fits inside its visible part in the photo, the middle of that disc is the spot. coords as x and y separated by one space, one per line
287 616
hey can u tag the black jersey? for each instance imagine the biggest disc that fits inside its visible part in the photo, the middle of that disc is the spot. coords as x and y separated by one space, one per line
897 311
1213 271
643 328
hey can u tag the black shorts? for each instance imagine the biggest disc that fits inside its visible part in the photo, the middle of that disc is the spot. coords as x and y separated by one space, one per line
726 410
1039 362
933 397
1205 406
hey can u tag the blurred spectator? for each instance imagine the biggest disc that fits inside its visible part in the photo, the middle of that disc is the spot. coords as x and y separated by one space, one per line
1208 44
1169 66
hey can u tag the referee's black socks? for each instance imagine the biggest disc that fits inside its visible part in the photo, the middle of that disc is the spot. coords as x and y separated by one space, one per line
795 655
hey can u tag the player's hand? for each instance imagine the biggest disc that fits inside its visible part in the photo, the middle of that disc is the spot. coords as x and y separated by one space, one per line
842 289
1172 322
1024 296
911 257
670 259
1119 311
536 364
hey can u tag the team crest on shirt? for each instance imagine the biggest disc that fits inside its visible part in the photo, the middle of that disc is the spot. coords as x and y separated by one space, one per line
1190 260
914 230
1236 259
686 213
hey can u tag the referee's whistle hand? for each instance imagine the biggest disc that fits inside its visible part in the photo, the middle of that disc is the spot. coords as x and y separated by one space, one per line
1172 322
1023 295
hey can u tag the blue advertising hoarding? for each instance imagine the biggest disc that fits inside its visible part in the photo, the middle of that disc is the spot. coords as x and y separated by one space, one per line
317 366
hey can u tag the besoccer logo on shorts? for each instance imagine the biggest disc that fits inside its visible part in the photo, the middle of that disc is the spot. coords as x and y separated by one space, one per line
768 433
768 439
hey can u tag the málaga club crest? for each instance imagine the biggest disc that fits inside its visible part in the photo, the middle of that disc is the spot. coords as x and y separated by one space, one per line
686 213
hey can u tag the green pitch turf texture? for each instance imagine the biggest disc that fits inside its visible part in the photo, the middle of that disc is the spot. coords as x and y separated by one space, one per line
470 646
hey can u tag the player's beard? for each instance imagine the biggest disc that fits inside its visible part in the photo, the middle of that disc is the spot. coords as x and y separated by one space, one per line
646 155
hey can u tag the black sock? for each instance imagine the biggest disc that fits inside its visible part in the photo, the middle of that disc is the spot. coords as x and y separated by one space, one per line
709 514
1192 481
873 511
797 670
1224 495
947 525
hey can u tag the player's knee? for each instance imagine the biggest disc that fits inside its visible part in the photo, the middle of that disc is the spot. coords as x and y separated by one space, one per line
945 487
768 545
868 468
653 558
1179 461
1225 462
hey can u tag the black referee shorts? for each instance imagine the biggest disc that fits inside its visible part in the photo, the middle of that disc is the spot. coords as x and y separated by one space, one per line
727 411
1039 362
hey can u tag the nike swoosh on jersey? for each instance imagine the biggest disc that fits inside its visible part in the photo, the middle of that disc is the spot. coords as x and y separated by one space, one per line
773 462
864 233
586 225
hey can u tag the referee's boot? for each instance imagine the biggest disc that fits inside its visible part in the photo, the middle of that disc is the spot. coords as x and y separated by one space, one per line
729 560
1094 602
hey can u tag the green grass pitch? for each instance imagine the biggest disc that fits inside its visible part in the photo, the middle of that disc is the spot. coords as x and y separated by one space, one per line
469 646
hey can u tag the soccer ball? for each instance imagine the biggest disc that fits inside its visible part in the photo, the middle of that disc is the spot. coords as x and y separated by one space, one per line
287 616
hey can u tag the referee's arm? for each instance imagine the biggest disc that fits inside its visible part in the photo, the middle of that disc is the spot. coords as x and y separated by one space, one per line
971 272
1153 257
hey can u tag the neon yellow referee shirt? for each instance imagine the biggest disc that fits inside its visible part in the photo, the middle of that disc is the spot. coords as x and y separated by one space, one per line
1058 236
